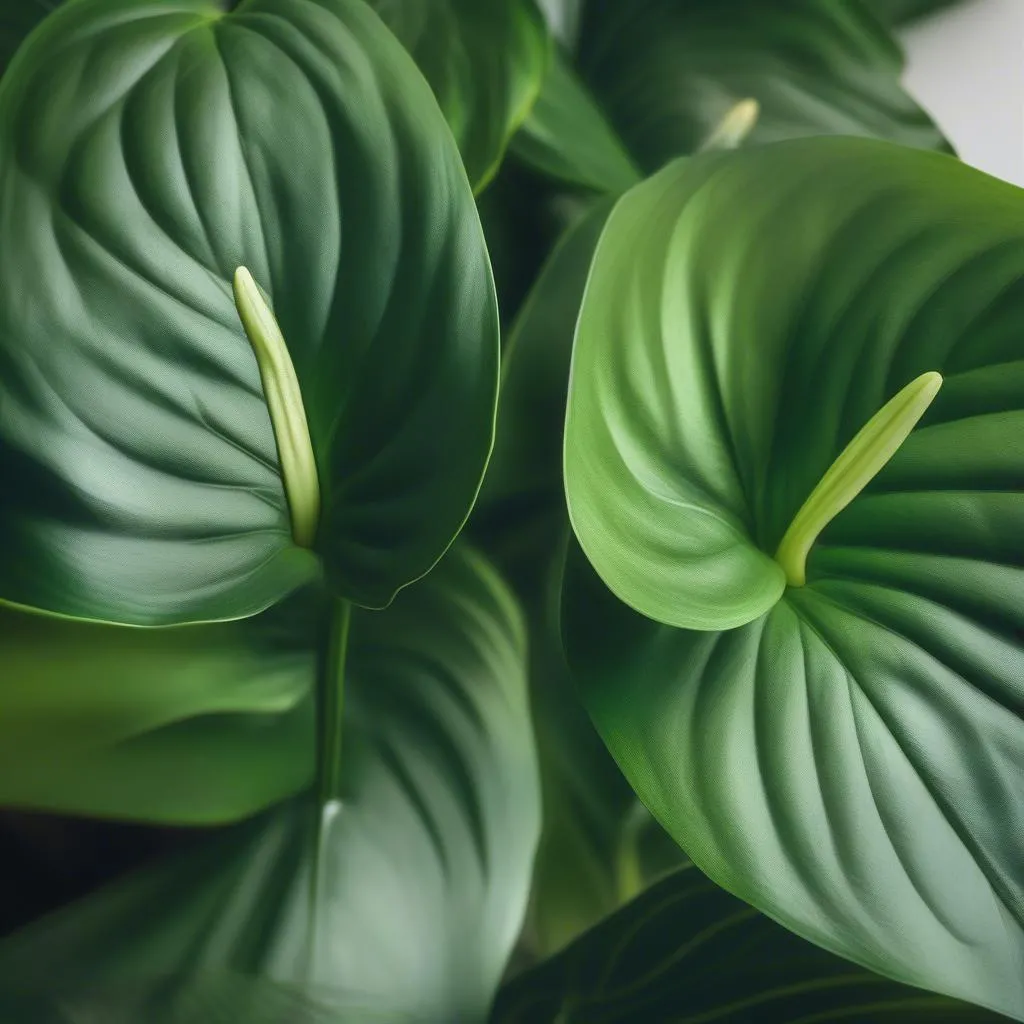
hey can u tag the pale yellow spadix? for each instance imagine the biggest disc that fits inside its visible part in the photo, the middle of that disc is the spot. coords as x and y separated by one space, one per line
860 462
284 400
737 124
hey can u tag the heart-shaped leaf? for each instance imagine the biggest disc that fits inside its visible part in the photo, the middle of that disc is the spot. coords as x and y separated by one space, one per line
688 952
150 148
485 62
667 71
858 741
406 893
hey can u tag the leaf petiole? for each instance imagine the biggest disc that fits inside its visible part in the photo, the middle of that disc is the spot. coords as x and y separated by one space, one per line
858 464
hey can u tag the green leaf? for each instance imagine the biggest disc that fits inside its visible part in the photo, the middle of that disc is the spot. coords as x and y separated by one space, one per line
585 855
188 725
594 852
896 12
485 62
688 952
151 148
567 137
216 998
526 466
17 19
859 742
667 71
405 895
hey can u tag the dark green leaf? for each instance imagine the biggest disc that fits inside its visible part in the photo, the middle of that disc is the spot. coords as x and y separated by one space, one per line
406 895
526 467
849 760
485 60
213 998
689 953
150 148
586 862
594 849
17 19
567 137
667 71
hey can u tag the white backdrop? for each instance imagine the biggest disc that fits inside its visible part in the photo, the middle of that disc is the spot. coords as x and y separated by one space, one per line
966 66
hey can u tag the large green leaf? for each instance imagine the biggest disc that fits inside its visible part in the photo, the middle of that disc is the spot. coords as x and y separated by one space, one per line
485 60
850 758
403 891
187 724
150 147
688 952
667 71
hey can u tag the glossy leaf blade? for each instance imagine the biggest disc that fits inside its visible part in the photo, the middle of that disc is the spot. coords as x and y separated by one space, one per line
823 764
659 510
666 72
408 900
686 951
856 745
485 63
296 138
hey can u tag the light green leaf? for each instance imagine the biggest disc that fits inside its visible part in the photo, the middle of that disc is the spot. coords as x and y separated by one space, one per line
149 149
403 892
189 724
567 137
667 71
690 953
485 60
859 742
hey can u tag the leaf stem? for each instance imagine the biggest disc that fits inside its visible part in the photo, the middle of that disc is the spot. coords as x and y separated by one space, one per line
858 464
332 702
284 400
330 723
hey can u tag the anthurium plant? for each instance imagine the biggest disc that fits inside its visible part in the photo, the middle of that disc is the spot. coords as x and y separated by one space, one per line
509 512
